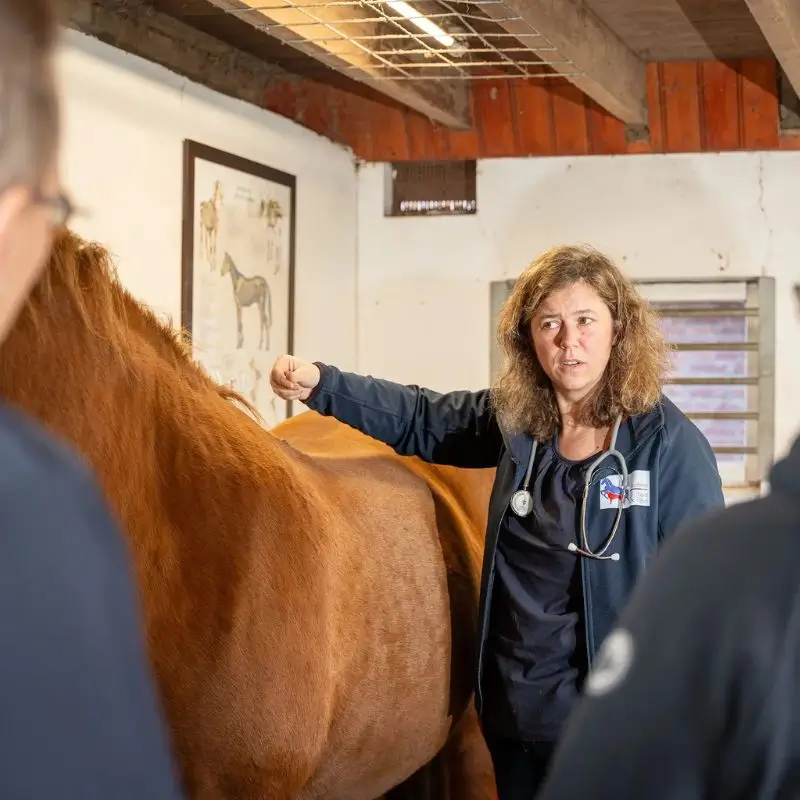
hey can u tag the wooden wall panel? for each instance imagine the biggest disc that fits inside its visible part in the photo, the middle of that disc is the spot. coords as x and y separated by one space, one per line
461 144
680 106
705 106
426 142
391 135
720 106
569 119
493 105
534 107
605 134
760 111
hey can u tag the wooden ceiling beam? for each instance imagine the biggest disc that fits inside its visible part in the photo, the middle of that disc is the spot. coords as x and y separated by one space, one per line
134 27
600 64
779 21
322 31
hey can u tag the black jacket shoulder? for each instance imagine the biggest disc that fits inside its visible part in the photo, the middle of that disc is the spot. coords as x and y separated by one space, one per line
695 694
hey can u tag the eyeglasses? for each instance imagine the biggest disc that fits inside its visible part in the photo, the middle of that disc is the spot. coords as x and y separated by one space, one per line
60 206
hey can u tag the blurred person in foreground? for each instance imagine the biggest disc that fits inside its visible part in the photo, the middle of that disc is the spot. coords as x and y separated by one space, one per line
79 716
696 693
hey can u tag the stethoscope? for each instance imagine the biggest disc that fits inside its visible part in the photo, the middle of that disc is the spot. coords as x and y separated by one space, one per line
522 499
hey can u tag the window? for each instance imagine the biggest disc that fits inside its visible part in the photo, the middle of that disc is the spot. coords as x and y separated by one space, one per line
723 336
431 189
726 404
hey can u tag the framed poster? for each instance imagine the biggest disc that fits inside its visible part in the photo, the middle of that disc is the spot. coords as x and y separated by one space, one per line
237 284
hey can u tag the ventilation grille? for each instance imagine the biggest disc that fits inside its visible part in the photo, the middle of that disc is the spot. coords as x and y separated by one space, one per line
432 189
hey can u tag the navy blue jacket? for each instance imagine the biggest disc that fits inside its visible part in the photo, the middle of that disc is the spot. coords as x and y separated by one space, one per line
461 429
80 716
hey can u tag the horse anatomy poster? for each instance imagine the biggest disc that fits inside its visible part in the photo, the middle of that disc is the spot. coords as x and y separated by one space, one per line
238 270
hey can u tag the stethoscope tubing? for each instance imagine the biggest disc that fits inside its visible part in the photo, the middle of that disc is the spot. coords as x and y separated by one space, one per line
522 500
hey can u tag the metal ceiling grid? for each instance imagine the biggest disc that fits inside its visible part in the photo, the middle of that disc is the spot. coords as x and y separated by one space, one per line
441 40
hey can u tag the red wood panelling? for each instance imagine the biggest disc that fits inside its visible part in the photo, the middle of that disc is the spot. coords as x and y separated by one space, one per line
680 107
760 125
692 107
534 108
605 134
570 125
493 105
720 106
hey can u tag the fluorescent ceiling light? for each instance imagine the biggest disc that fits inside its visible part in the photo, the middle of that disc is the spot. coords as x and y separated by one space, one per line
421 21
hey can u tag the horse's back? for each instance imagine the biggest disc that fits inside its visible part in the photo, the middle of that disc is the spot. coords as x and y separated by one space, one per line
324 437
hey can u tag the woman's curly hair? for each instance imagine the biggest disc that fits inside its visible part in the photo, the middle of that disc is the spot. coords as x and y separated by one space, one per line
632 384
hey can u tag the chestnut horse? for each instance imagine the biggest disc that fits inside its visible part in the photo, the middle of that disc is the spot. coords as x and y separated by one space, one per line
310 598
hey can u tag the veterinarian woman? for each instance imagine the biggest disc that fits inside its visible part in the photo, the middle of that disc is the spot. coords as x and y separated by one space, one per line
578 407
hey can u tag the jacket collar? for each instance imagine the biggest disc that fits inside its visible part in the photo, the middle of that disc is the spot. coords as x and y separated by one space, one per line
633 433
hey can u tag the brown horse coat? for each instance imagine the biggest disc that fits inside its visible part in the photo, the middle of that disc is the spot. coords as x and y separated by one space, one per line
310 598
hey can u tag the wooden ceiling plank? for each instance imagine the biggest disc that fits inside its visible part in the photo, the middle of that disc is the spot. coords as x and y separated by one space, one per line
779 21
444 102
601 65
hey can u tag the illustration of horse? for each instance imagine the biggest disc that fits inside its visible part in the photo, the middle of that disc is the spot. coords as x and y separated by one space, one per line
271 211
246 292
209 224
309 597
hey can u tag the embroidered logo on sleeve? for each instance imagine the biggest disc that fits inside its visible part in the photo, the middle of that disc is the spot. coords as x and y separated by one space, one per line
636 493
612 664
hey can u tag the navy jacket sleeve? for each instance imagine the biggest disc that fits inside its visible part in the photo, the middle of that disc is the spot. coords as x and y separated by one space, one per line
695 694
79 715
689 483
458 428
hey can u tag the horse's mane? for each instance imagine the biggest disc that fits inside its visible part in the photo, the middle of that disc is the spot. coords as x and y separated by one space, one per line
84 274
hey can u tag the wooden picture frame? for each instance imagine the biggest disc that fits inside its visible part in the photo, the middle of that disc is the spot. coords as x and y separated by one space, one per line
238 270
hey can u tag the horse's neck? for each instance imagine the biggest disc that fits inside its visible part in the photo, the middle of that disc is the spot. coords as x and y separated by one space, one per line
235 274
213 488
192 464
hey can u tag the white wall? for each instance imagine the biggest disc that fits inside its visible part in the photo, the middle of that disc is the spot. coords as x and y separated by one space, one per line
423 284
125 121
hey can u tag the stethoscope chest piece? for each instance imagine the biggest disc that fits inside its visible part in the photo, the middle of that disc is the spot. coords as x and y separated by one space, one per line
522 502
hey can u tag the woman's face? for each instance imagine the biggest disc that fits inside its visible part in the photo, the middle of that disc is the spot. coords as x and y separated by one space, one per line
573 333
